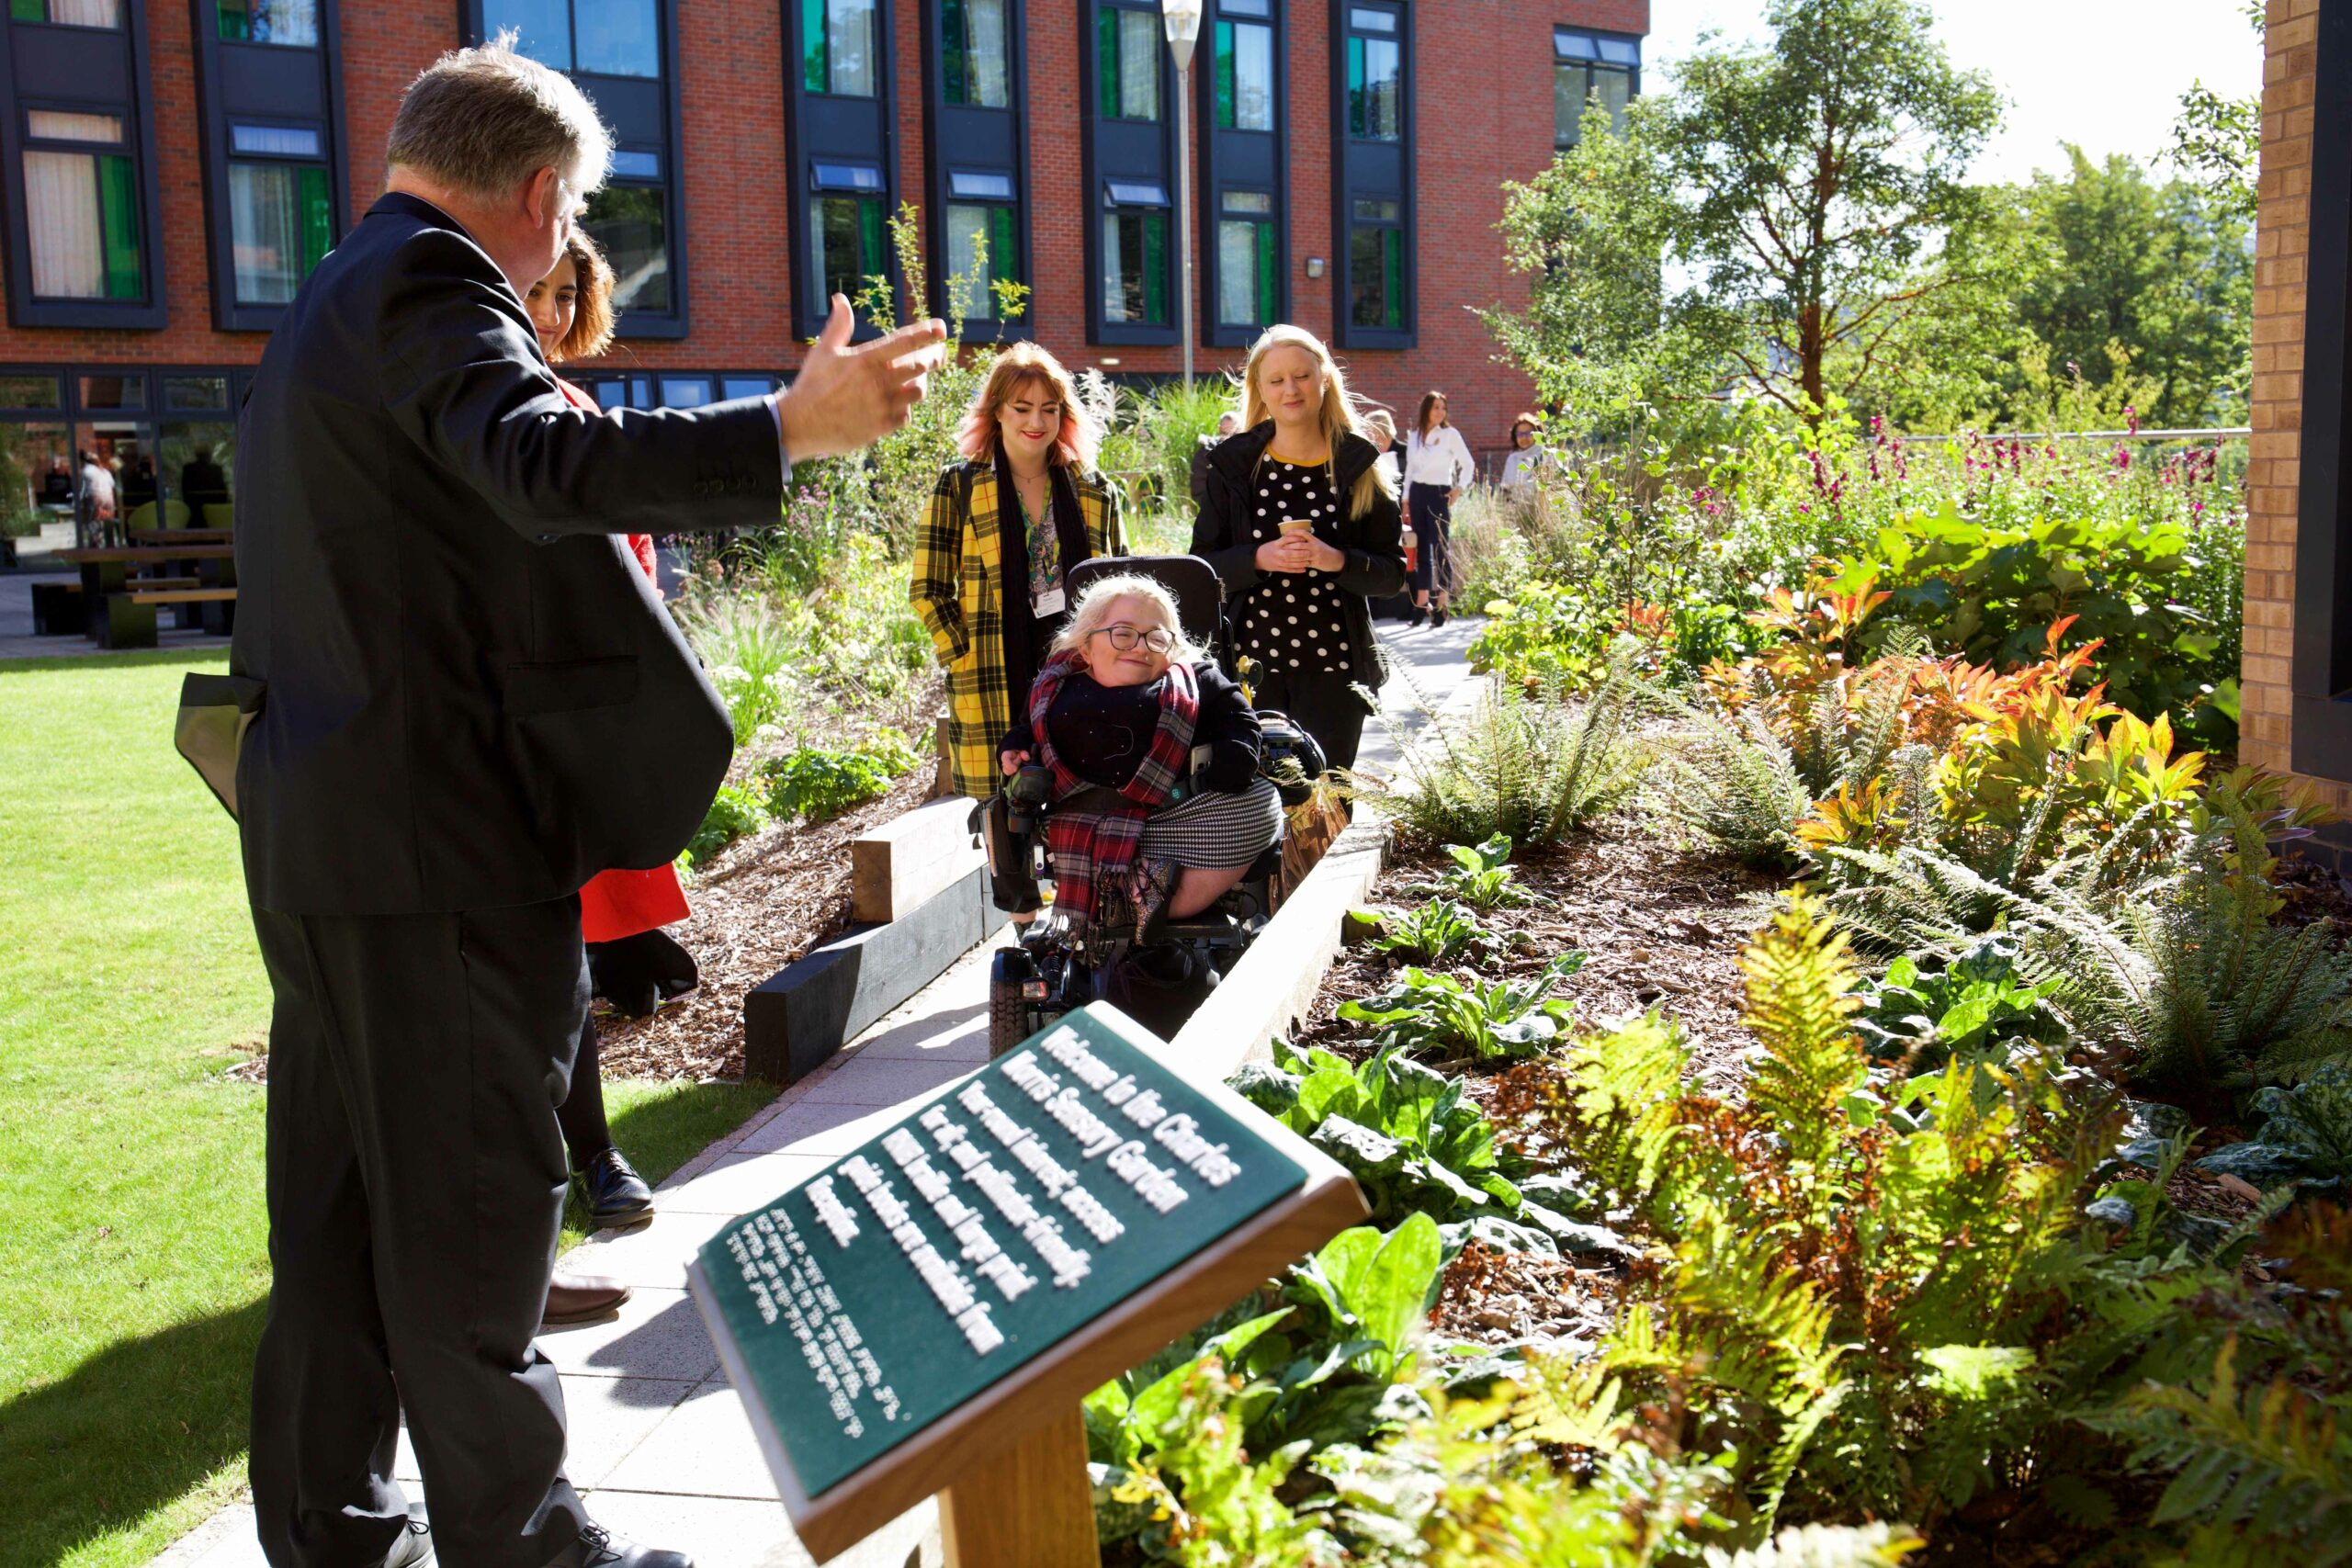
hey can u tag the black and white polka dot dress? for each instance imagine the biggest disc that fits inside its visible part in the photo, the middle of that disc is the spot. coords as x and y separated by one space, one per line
1292 620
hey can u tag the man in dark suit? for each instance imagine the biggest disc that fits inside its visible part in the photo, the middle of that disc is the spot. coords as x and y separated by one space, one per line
469 703
203 482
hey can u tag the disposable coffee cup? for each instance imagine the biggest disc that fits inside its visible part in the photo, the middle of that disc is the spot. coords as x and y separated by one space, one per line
1294 526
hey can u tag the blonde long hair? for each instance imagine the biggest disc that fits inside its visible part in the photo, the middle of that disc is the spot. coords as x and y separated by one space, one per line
1025 365
1339 417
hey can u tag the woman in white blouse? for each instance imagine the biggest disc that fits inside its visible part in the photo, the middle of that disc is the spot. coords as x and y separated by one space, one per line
1524 459
1437 465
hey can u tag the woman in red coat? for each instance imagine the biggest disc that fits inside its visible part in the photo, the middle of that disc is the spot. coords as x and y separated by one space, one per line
631 961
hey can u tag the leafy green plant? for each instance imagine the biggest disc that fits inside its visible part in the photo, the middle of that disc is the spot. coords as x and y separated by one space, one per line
747 647
1489 1020
1428 933
1482 876
1415 1144
2309 1127
1928 1009
735 812
1531 768
820 784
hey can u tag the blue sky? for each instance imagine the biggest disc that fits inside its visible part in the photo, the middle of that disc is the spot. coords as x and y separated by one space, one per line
2107 74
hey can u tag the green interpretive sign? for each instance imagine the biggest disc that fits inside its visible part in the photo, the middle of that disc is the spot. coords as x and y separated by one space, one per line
939 1257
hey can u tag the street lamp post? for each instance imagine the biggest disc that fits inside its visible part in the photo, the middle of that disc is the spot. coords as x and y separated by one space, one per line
1182 20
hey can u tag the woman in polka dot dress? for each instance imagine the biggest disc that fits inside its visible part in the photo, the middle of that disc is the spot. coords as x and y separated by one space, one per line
1303 525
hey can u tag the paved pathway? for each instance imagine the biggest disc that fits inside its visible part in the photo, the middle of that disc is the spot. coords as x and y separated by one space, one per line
660 1444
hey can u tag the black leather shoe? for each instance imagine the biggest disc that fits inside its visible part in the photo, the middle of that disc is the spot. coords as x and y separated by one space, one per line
599 1548
617 1195
637 974
1437 616
414 1547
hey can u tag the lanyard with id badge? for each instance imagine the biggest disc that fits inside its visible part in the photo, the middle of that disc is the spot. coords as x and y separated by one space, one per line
1046 594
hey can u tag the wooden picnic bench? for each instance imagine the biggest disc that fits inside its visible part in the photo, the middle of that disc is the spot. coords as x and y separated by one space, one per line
148 536
109 568
130 618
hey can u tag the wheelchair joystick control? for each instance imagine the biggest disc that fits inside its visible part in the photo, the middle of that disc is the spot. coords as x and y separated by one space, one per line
1029 788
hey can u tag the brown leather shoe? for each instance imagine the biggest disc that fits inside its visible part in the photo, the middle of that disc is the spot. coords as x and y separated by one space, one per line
581 1298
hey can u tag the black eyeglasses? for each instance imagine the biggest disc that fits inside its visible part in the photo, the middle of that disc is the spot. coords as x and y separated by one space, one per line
1124 637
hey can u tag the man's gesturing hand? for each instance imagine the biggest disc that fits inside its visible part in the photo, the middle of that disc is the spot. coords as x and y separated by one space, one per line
845 398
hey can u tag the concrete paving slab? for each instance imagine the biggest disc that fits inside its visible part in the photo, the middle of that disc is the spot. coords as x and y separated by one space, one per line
727 1532
604 1419
658 1334
888 1080
650 1255
829 1129
704 1447
742 1182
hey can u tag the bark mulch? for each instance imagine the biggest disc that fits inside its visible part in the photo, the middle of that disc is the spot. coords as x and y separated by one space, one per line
762 903
1658 928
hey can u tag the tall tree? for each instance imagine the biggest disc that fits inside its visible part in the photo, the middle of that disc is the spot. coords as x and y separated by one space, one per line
2153 281
1797 215
2218 141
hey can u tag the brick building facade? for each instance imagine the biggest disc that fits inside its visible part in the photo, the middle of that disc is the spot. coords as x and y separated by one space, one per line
2298 664
216 131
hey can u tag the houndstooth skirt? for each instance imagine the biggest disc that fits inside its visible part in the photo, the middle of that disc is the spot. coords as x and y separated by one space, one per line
1214 829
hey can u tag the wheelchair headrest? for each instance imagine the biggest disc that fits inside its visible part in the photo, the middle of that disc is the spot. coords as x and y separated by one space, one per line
1190 581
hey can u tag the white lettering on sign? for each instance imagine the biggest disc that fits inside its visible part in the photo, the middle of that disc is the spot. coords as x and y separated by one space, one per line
1094 1136
1121 1092
1132 1165
1099 1222
831 1212
1144 1108
1004 1193
1023 1074
1180 1137
1064 1046
1069 1265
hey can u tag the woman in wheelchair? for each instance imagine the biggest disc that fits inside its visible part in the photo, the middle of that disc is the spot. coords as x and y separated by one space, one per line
1121 709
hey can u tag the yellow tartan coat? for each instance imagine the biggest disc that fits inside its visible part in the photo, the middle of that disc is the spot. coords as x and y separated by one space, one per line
959 591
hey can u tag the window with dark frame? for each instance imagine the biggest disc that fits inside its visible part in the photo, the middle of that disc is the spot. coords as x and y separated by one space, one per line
274 192
976 142
281 208
1243 62
1591 71
612 49
1128 60
80 226
1128 166
983 244
1249 276
845 223
975 53
292 24
1135 254
841 47
1373 115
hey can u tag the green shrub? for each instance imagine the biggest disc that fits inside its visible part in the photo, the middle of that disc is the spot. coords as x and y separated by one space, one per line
1487 1020
735 813
821 784
1531 768
1432 933
1482 876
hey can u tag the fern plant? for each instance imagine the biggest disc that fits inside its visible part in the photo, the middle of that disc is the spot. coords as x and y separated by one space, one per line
1532 767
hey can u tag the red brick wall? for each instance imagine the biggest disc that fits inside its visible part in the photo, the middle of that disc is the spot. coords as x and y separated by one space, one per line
1483 72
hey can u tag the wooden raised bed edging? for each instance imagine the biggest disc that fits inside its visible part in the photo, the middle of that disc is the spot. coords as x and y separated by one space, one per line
1275 983
795 1021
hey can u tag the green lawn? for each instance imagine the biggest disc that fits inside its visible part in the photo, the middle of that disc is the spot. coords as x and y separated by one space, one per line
132 1245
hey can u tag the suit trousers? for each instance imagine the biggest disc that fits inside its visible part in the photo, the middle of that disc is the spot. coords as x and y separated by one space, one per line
1323 704
416 1183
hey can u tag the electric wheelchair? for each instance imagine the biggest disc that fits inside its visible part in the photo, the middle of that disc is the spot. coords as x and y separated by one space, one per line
1055 969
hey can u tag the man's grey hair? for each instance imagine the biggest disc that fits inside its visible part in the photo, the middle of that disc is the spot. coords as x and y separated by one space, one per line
484 119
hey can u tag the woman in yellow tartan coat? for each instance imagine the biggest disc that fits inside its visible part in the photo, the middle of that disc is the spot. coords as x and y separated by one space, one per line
993 556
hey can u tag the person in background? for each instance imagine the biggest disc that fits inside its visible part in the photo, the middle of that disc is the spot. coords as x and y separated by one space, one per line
1007 522
1523 460
98 500
57 485
1226 424
631 961
1380 428
1301 527
138 485
203 482
1436 465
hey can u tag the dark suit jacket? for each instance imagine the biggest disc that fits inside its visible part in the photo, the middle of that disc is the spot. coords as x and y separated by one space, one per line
473 697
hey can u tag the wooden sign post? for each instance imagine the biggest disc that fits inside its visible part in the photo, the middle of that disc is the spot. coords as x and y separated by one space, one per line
925 1315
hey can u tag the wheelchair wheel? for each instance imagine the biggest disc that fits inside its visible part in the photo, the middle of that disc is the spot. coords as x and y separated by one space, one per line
1008 1011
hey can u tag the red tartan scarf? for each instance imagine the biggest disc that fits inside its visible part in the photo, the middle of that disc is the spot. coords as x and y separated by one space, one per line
1089 850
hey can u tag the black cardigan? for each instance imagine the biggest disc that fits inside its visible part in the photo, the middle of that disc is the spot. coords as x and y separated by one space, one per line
1225 726
1372 542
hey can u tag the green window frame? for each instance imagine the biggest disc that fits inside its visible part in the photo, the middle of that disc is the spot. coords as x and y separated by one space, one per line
45 11
1376 277
106 260
287 24
976 295
1375 89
